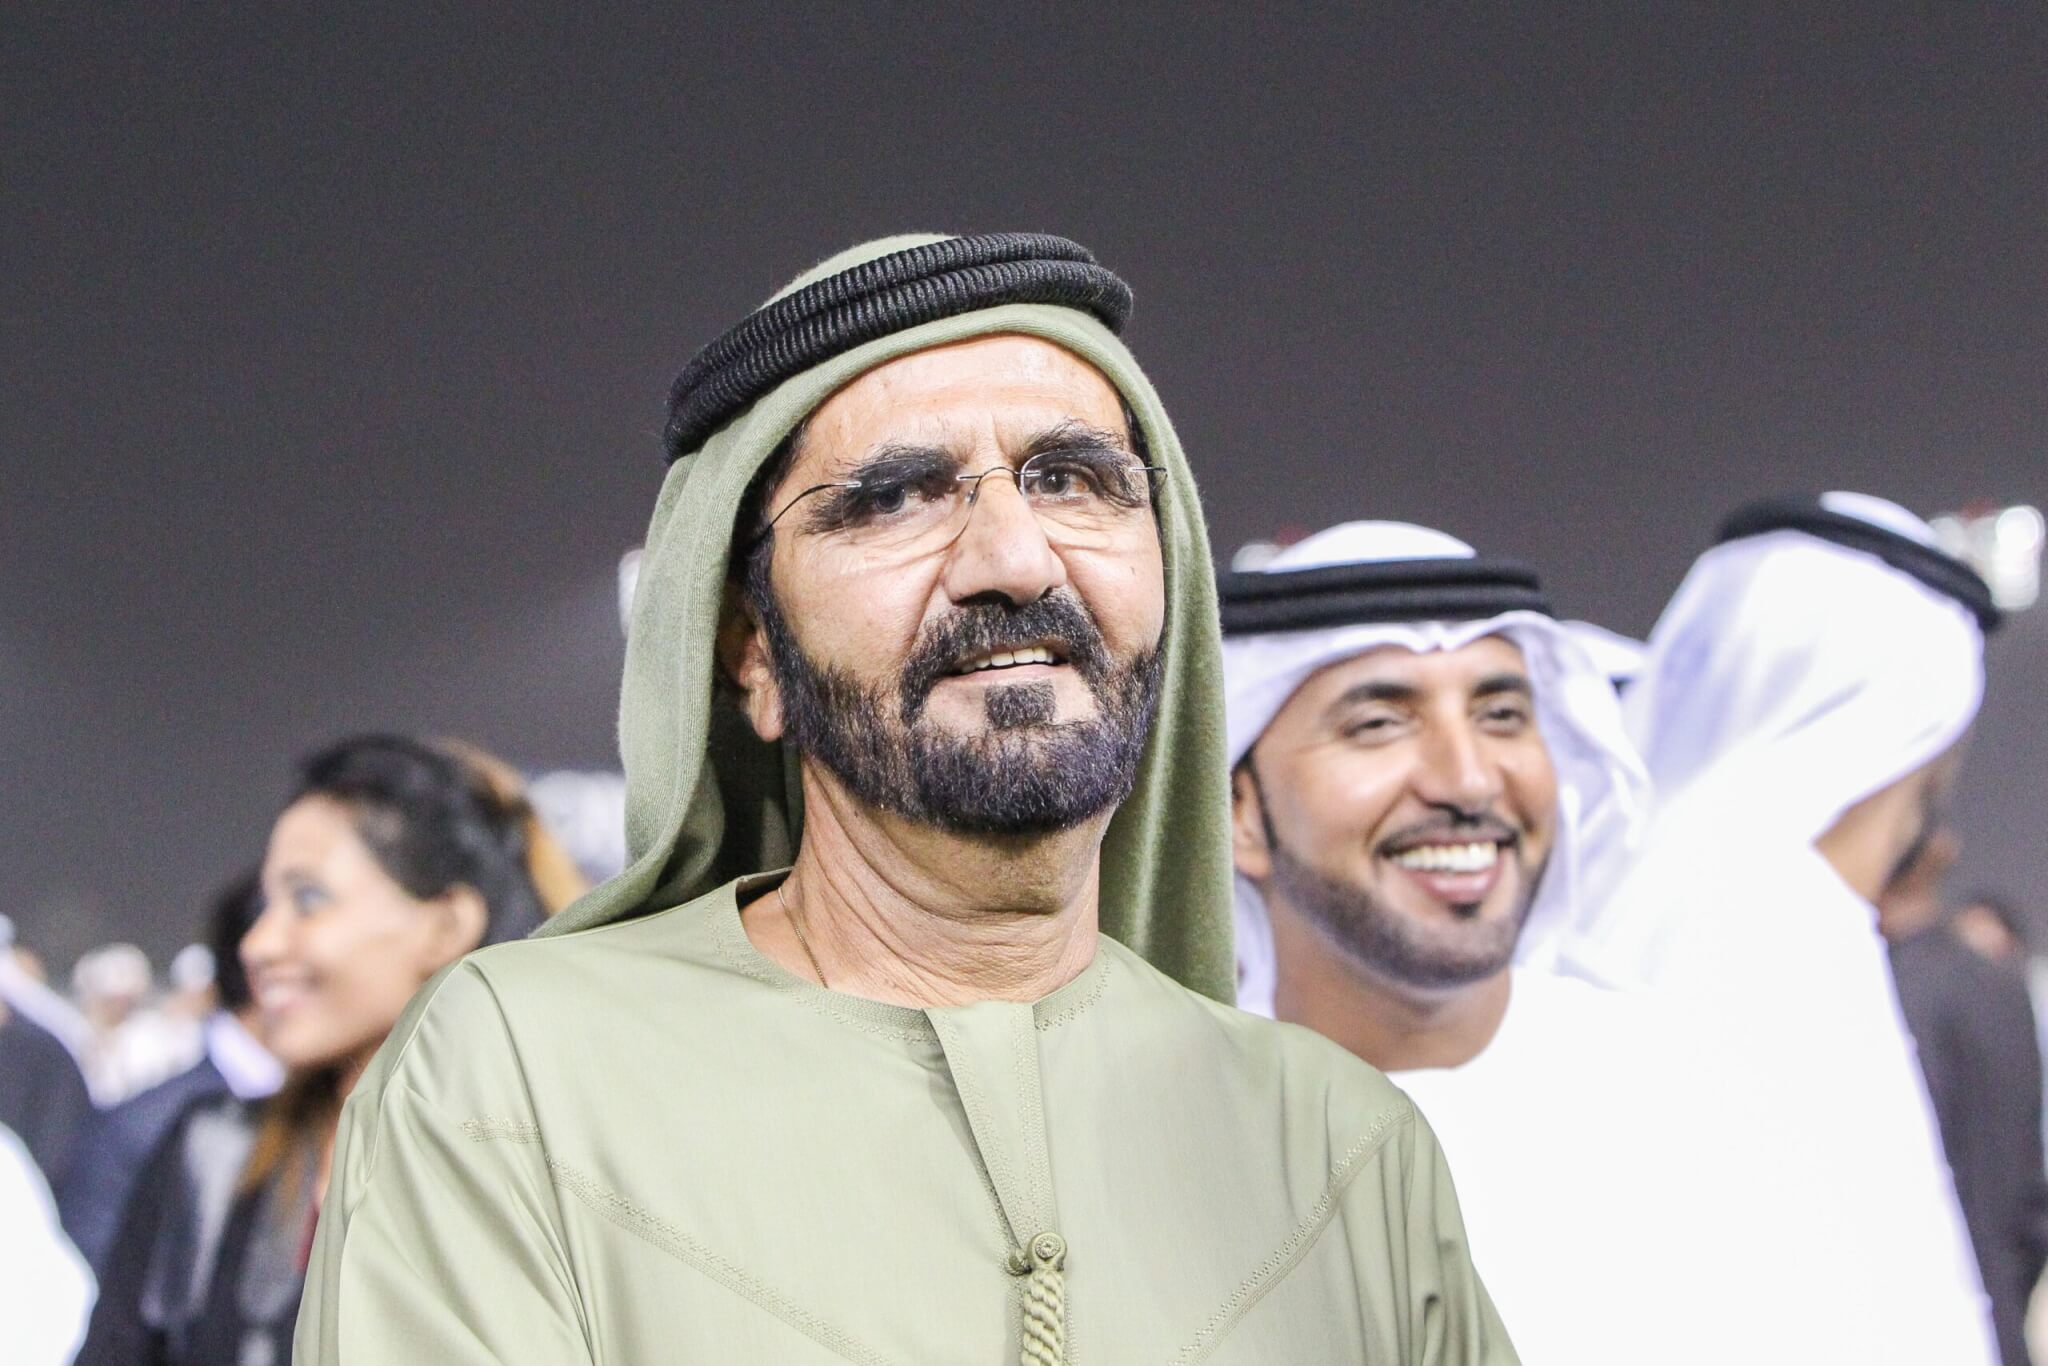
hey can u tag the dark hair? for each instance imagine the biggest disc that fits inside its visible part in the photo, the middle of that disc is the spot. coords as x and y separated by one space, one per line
235 908
434 822
435 817
751 544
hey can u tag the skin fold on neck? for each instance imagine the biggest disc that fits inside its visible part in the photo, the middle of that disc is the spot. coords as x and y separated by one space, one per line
1394 1027
909 915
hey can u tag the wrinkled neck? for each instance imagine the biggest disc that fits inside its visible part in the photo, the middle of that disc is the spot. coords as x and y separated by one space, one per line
893 911
1395 1027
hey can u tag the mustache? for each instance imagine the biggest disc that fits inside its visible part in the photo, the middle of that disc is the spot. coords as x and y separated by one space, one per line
978 628
1452 828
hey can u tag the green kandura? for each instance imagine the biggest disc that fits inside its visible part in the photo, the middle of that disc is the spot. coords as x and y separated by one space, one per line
636 1139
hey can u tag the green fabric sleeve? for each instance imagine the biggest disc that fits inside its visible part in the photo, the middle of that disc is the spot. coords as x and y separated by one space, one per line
439 1237
1454 1322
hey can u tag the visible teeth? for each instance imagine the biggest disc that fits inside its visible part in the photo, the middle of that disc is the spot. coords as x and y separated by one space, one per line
1003 659
1450 858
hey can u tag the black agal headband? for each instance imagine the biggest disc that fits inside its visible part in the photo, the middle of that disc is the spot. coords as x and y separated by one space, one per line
1377 591
892 293
1941 572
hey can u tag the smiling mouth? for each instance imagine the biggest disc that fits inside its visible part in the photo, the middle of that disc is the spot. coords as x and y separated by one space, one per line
1471 857
274 997
993 660
1457 874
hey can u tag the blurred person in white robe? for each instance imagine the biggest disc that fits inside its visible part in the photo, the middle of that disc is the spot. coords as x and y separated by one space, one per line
135 1043
1801 711
46 1292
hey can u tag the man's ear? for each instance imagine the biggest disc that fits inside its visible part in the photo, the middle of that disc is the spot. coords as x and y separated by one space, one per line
1248 845
743 657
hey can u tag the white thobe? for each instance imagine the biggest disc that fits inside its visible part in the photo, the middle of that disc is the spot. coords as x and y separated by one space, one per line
1587 1168
45 1290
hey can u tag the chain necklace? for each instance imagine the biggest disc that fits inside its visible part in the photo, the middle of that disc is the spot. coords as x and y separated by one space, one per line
802 942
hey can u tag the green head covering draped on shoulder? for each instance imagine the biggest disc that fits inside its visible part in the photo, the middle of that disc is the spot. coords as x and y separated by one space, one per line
707 801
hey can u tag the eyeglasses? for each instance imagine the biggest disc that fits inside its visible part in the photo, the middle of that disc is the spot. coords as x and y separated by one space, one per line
919 502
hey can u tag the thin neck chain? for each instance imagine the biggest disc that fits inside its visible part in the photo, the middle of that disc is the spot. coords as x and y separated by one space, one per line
803 943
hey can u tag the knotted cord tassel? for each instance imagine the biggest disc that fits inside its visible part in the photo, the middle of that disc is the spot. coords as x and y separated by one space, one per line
1045 1303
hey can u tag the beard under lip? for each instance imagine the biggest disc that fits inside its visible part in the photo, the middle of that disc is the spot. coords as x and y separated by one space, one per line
1025 771
1464 892
1389 934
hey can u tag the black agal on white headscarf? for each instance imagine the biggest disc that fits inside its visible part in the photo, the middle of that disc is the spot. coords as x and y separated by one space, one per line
1432 589
1904 545
1365 585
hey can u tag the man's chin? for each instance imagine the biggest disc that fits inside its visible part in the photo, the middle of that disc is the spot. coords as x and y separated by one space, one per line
1502 905
1400 934
1034 780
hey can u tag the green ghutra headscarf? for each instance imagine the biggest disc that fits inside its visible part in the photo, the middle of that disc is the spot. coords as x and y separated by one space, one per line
708 801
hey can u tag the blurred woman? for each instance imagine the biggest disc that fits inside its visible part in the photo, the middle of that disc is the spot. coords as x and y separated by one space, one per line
392 860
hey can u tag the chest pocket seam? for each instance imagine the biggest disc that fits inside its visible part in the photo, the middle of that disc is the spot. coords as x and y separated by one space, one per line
664 1235
1293 1249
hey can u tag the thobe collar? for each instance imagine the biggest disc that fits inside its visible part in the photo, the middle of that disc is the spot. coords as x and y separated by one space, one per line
909 1022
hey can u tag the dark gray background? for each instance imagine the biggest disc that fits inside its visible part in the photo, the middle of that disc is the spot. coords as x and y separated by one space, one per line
336 345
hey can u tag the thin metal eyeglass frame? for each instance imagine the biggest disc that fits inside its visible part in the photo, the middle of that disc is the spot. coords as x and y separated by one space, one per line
1016 474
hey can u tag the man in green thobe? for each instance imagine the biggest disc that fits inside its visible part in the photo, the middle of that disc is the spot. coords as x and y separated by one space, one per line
925 612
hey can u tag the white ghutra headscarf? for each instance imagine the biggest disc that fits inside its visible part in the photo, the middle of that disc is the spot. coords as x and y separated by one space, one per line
1813 659
1788 679
1602 789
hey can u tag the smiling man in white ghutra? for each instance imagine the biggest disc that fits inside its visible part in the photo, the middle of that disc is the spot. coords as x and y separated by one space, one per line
1431 783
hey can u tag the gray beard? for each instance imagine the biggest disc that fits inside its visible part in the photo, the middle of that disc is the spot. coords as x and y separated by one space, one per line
1389 944
1025 775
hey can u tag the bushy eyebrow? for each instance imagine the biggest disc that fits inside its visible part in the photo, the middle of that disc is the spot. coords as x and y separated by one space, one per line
900 457
896 458
1374 690
1075 435
1382 690
1495 685
901 461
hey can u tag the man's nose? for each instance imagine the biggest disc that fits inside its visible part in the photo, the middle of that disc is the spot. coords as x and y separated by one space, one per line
1457 772
1003 547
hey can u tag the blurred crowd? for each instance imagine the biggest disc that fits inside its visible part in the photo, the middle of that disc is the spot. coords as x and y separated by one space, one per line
163 1139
